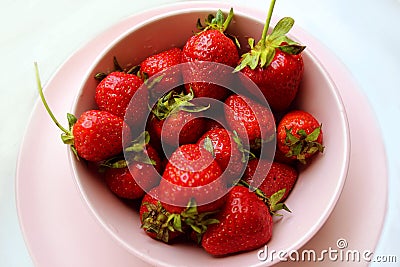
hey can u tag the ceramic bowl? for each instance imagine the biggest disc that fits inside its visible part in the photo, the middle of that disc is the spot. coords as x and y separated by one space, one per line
318 187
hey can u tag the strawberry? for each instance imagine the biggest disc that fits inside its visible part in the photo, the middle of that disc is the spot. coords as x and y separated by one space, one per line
121 182
209 45
159 63
228 151
192 174
299 135
115 92
275 64
245 223
132 177
95 136
273 177
176 120
98 135
251 120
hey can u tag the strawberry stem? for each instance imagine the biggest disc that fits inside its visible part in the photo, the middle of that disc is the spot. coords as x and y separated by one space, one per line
267 22
40 89
228 20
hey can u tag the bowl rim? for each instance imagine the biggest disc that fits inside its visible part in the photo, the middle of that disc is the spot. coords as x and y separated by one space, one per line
164 11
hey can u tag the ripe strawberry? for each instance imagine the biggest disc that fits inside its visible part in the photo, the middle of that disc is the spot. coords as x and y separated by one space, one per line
227 150
275 64
159 63
209 45
251 120
277 177
245 223
299 135
142 174
192 174
176 120
115 92
95 136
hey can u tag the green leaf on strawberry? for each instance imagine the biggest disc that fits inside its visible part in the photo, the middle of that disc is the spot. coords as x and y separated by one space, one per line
134 152
139 143
117 67
160 222
262 53
274 202
174 102
217 22
208 145
246 153
304 144
198 222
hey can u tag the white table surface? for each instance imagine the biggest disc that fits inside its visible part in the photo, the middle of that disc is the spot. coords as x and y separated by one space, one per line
364 34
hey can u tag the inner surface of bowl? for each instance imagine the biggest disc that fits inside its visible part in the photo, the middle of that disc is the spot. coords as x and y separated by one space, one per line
317 188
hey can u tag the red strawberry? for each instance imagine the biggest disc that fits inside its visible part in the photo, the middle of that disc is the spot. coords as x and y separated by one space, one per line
95 136
210 45
251 120
176 120
245 223
142 174
275 64
299 135
192 173
98 135
228 151
160 61
280 176
154 218
114 94
163 61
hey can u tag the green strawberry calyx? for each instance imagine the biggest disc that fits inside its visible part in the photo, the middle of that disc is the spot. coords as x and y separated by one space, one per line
303 143
67 137
174 102
198 222
217 22
274 202
135 152
117 68
262 53
159 221
246 153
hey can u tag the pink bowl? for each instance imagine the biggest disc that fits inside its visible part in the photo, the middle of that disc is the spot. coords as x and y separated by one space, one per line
317 190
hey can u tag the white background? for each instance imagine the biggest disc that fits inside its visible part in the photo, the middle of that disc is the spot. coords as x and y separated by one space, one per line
364 34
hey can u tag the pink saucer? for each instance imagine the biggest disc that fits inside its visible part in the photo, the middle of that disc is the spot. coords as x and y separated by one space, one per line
59 229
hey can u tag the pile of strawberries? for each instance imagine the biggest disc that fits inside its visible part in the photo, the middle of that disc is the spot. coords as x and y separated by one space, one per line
212 171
